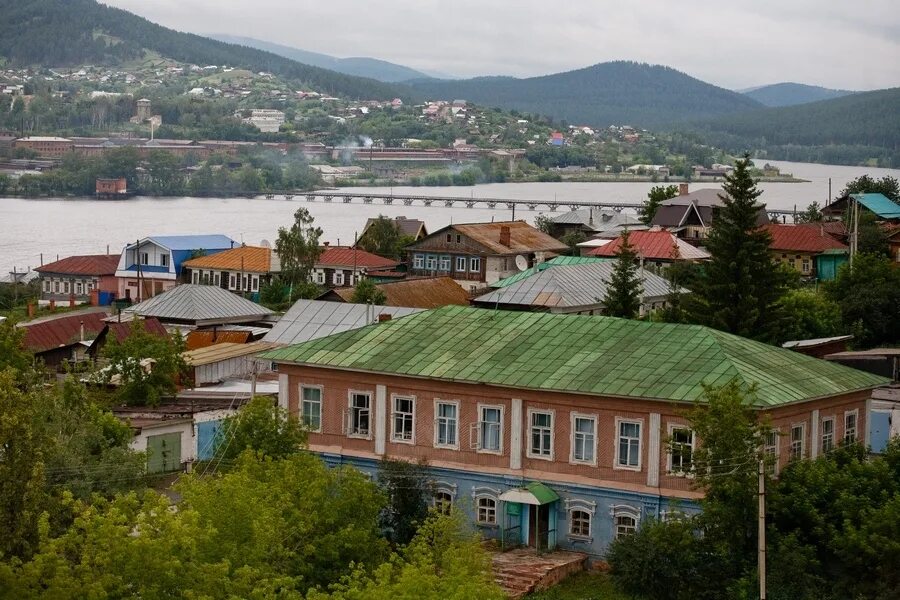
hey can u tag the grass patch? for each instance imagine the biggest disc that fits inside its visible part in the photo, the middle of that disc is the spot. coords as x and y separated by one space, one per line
582 586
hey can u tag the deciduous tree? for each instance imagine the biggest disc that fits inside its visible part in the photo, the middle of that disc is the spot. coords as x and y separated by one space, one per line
298 248
655 197
365 292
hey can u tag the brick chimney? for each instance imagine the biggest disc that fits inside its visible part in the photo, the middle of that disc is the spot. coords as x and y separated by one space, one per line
384 317
326 244
504 235
682 189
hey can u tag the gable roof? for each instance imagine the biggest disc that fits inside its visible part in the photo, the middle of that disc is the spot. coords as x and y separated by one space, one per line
410 227
121 331
201 305
192 242
653 245
63 331
344 256
577 354
88 264
568 286
553 262
595 219
425 292
674 212
244 258
802 238
879 204
523 238
313 319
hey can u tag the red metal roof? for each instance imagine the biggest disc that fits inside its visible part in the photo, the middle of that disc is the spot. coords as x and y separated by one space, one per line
90 264
802 238
121 331
63 331
653 245
342 256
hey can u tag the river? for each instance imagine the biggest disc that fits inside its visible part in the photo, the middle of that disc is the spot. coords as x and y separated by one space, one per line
63 227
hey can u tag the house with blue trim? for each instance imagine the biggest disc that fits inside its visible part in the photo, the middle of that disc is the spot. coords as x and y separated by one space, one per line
153 264
555 430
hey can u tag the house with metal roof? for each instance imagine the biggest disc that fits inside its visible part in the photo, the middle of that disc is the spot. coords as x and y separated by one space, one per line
555 430
553 262
76 277
154 264
572 289
411 228
655 246
200 306
62 339
880 205
242 270
418 292
808 249
338 266
593 221
690 214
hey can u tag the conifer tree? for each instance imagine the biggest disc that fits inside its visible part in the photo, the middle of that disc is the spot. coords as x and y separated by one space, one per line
623 294
741 285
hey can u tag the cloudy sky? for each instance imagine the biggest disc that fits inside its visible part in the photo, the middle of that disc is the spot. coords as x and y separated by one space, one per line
834 43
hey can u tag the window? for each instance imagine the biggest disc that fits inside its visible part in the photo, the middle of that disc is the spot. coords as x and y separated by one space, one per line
403 420
320 277
798 433
584 439
431 262
628 450
232 281
66 287
443 501
359 414
461 264
805 266
195 277
46 285
580 523
145 258
489 428
850 419
458 238
541 435
255 284
475 265
486 511
681 450
827 434
449 238
446 425
445 263
216 279
770 449
56 286
625 525
338 278
312 407
164 260
418 261
78 287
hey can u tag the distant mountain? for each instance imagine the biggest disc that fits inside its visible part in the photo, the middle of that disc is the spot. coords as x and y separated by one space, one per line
622 93
853 129
373 68
790 94
73 32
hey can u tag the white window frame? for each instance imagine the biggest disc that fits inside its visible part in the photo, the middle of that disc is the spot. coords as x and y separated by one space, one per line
412 417
232 280
460 264
640 451
855 414
431 262
437 424
66 286
773 450
669 462
477 428
802 440
349 420
79 288
475 264
195 277
216 278
320 277
164 260
418 261
486 493
55 286
303 402
532 412
47 285
572 458
824 435
624 510
581 505
144 258
445 261
571 519
255 282
337 278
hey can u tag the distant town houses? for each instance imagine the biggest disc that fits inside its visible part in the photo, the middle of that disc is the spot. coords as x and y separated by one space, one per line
690 214
807 249
267 120
339 266
244 269
81 279
656 246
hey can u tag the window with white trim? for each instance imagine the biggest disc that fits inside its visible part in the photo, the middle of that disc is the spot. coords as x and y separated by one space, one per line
311 409
216 278
164 260
770 450
320 277
541 445
584 439
431 262
47 285
403 419
460 264
360 403
488 429
418 261
255 283
445 264
625 521
145 258
486 510
580 523
798 441
681 450
56 287
443 500
338 278
232 281
66 287
475 265
805 265
195 277
827 434
850 422
78 287
628 448
446 425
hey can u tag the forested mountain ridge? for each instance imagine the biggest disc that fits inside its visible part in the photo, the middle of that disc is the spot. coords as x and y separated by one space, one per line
790 94
853 129
612 93
73 32
361 66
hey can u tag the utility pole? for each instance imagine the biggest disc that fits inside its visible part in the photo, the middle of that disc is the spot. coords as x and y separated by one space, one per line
137 256
762 529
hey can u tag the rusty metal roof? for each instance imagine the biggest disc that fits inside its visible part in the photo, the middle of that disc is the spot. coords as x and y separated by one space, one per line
89 264
802 238
121 331
426 292
219 352
251 259
654 245
523 238
343 256
63 331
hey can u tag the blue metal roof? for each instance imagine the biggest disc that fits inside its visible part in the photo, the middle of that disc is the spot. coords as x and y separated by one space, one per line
879 204
195 242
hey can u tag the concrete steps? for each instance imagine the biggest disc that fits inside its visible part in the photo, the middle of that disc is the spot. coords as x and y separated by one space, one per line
522 571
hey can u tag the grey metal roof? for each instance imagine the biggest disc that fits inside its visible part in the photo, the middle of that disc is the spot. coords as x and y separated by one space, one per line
312 319
596 219
200 304
569 286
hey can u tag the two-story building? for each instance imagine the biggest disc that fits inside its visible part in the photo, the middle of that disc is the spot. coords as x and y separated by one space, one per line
690 214
554 430
77 277
655 247
153 265
243 270
475 254
808 249
340 266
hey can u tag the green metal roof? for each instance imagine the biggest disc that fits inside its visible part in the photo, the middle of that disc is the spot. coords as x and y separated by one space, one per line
542 493
577 354
554 262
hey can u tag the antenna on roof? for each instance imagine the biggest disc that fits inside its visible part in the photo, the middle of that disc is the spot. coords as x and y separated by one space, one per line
521 262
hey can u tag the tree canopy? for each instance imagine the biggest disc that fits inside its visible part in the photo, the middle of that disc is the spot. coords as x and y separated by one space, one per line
655 198
624 288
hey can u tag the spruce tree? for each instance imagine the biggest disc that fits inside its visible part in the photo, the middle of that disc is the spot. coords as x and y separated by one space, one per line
623 293
741 285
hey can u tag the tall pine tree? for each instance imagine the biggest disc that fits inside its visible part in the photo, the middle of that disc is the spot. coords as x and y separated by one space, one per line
623 293
740 287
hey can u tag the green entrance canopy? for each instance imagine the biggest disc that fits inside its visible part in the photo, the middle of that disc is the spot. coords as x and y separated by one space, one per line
535 493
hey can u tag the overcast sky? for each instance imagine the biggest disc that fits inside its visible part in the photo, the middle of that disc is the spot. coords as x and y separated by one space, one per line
834 43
